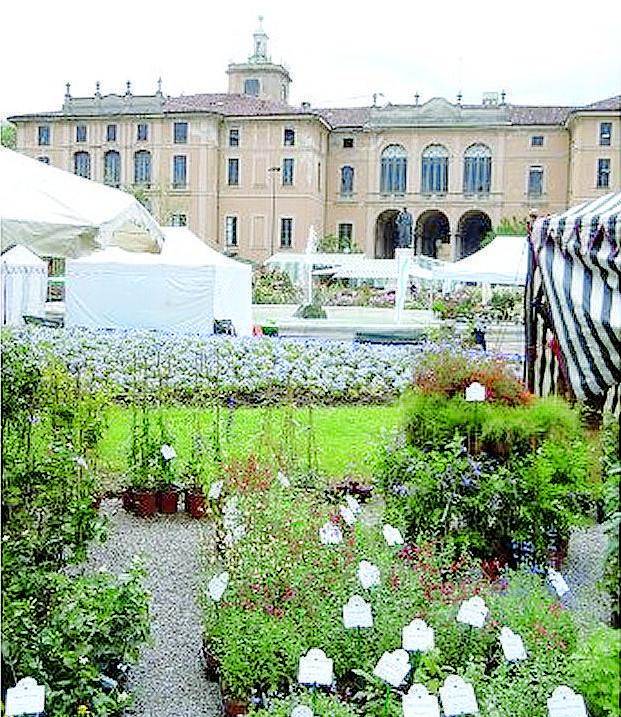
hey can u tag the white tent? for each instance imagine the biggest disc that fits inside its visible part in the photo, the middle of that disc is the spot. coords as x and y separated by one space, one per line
114 288
502 261
24 285
295 264
233 279
56 213
375 269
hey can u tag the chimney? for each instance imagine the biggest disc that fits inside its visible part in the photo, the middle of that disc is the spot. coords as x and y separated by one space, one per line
306 105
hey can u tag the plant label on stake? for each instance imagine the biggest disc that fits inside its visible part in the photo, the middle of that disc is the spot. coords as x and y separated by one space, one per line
418 636
168 452
302 711
347 515
368 574
393 667
475 392
215 490
473 612
27 697
512 645
357 613
558 582
217 586
392 536
315 668
353 504
419 703
330 534
566 703
285 483
458 697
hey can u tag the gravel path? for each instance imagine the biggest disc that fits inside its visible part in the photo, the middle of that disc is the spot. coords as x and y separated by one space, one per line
169 680
582 571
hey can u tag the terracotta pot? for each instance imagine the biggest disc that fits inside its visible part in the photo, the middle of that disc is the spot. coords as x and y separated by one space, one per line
167 500
145 503
233 708
127 499
195 503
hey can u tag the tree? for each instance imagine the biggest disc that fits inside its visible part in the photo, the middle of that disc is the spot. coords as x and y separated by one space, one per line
8 135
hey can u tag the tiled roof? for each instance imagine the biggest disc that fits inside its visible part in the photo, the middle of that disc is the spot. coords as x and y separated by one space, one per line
231 105
533 114
345 116
610 103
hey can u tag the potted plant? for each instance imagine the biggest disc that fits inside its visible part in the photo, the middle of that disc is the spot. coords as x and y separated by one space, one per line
195 500
140 497
167 491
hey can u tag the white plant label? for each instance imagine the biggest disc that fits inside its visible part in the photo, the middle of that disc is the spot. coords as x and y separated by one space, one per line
347 515
566 703
357 613
217 586
315 668
285 483
512 645
302 711
168 452
393 667
475 392
419 703
458 697
558 582
330 534
353 504
368 574
392 536
473 612
27 697
81 462
418 636
215 490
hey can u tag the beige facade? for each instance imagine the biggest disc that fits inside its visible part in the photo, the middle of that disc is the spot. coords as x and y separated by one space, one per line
251 174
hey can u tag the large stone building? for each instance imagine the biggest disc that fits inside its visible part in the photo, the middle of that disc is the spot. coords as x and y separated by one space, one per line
250 173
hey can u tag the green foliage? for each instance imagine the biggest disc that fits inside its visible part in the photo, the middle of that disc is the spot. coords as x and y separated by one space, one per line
595 671
321 704
8 135
311 311
273 286
332 244
511 227
611 474
505 304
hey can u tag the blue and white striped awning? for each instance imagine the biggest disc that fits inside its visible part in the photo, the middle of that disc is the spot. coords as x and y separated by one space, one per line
578 254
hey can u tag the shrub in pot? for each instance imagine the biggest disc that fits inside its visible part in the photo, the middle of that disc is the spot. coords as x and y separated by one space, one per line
167 491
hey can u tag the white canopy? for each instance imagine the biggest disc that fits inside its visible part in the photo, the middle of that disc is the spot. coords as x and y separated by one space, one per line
374 269
114 288
296 265
24 285
56 213
502 261
233 279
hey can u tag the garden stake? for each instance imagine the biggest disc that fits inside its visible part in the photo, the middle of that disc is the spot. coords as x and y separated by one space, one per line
387 700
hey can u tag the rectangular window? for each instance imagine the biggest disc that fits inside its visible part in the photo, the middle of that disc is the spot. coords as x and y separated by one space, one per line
346 233
231 231
535 181
605 133
252 87
111 133
348 142
289 139
44 135
233 138
178 220
286 232
44 160
180 133
287 172
536 140
142 132
233 172
80 133
603 173
180 171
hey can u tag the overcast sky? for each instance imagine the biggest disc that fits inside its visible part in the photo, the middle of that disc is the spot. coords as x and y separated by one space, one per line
338 53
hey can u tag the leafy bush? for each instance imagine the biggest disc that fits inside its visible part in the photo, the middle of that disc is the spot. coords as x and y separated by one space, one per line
595 671
311 311
273 286
611 470
322 706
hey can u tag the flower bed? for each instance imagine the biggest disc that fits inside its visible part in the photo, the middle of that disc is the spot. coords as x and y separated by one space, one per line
255 370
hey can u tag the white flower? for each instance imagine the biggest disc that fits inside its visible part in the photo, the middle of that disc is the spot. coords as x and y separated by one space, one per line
83 659
168 452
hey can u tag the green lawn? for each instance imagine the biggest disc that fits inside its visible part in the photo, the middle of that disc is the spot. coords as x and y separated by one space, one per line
345 436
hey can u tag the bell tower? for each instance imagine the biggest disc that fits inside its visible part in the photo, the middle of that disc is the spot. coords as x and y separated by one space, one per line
259 76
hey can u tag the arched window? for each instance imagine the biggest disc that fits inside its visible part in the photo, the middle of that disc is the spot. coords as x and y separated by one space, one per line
112 168
347 180
393 178
142 167
434 178
82 164
477 169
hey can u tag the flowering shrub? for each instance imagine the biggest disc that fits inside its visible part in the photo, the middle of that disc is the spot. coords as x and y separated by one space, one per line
467 304
258 370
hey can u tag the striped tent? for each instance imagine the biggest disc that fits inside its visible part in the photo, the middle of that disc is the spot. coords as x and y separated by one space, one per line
573 301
